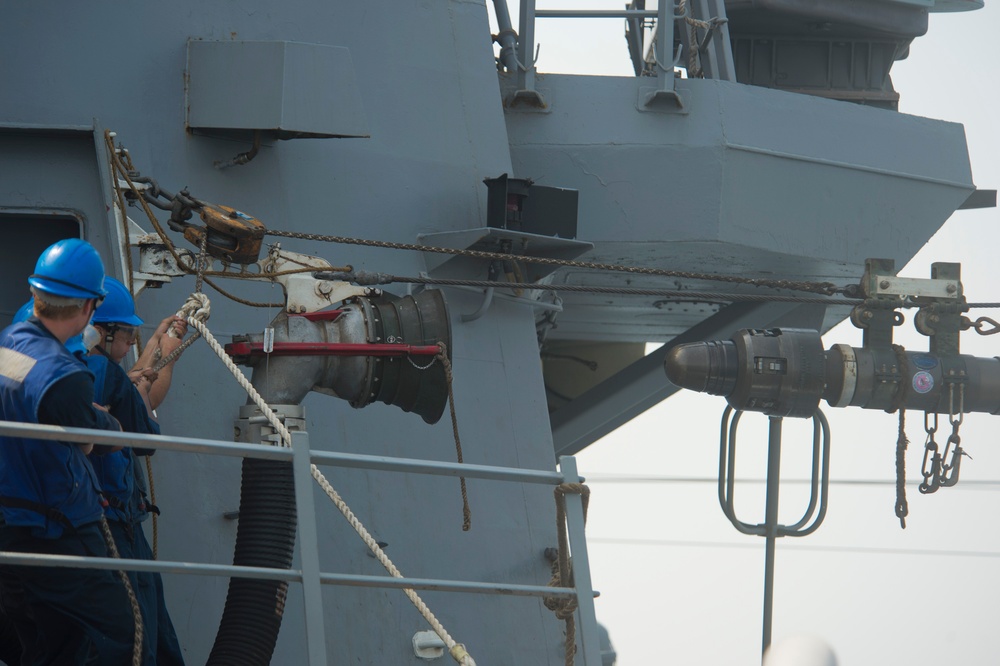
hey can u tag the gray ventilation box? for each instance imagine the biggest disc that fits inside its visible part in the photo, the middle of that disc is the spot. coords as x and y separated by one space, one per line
291 89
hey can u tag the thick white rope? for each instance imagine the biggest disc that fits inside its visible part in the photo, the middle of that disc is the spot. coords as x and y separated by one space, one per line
197 306
457 650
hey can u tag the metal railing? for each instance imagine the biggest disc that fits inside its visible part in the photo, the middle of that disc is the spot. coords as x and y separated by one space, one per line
301 456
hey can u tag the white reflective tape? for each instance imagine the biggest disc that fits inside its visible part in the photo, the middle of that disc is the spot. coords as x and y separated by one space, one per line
14 365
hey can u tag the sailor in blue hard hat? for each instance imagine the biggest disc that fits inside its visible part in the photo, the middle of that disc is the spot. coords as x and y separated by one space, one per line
50 500
118 327
120 474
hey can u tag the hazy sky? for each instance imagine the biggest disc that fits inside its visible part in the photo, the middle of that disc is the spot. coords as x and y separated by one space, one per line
680 586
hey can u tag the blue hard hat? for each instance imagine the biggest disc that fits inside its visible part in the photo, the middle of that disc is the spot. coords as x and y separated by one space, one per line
118 306
74 345
70 268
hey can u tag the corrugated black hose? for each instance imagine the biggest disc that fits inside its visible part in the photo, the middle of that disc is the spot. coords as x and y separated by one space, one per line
265 538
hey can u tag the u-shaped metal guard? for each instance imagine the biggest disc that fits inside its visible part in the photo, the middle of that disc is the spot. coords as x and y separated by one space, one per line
820 481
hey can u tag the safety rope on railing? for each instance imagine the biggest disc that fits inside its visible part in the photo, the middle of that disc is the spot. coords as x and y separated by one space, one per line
109 540
456 650
562 567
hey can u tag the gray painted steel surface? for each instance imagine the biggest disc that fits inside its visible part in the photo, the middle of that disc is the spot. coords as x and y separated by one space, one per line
748 180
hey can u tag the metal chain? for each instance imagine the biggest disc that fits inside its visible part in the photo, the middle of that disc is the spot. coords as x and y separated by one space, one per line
202 262
951 459
827 288
126 171
941 469
931 467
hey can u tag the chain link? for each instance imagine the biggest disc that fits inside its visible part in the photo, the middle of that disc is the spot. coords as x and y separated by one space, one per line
827 288
941 469
931 466
951 459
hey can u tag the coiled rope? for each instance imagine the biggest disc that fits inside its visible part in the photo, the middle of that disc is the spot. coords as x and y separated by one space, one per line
456 650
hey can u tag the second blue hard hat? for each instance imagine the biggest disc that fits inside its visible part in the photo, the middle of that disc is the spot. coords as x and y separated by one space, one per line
70 268
118 306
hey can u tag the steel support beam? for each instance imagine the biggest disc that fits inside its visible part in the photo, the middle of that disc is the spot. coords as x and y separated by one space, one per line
643 384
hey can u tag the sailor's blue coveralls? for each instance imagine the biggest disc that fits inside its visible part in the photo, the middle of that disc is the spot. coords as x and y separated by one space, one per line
50 503
124 487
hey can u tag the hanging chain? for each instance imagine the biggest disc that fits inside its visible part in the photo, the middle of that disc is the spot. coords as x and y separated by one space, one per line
941 469
203 262
931 467
951 459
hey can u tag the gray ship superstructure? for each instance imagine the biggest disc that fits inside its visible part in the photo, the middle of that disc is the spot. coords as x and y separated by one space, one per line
776 162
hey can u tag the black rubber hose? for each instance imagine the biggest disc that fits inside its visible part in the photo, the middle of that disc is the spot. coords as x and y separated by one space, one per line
265 537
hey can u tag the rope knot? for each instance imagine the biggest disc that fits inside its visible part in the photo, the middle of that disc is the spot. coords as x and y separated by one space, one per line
197 305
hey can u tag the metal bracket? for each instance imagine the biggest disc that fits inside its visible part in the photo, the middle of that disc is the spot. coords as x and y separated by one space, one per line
660 100
877 315
428 645
527 100
940 317
891 285
303 292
